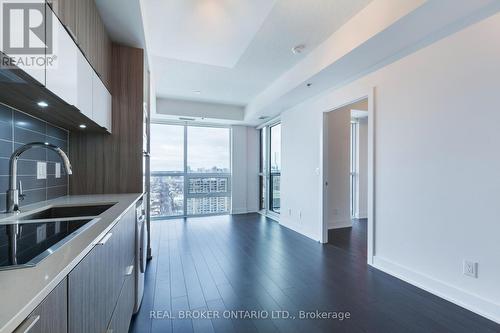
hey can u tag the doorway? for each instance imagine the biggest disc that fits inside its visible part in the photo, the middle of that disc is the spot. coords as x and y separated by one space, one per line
346 159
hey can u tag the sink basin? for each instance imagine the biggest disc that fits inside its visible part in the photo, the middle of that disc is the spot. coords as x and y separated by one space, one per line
35 236
26 244
67 212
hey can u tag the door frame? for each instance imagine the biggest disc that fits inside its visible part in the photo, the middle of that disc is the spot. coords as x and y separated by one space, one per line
370 95
266 166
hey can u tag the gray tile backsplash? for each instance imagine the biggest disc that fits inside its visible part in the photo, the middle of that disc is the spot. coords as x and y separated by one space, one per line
16 129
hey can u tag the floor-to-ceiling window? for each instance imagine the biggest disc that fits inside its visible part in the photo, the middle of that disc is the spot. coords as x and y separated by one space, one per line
270 169
190 170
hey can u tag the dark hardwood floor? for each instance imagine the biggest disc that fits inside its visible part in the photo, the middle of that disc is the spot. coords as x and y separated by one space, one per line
351 239
246 262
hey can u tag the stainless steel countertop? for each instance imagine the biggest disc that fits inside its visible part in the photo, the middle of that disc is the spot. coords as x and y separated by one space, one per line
22 290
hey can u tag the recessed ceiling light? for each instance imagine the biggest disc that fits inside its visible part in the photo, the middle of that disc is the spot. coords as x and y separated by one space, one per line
309 84
43 104
298 49
197 92
82 126
263 117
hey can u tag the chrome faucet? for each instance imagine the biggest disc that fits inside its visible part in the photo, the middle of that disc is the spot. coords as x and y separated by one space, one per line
14 193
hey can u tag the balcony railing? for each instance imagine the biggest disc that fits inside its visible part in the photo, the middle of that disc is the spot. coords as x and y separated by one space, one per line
175 194
274 200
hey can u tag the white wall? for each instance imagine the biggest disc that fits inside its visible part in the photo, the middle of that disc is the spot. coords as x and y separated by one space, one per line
185 108
363 168
244 167
436 163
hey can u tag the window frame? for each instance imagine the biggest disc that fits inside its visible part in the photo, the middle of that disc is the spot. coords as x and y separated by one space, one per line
191 175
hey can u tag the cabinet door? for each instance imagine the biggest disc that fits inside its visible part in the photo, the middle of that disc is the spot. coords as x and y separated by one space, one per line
66 11
84 26
62 76
84 97
51 315
30 61
94 285
120 321
101 110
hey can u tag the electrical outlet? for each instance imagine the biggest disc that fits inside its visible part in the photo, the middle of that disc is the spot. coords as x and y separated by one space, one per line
58 170
41 233
41 170
470 268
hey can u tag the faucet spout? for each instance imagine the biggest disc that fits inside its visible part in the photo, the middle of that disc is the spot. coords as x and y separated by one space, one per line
13 192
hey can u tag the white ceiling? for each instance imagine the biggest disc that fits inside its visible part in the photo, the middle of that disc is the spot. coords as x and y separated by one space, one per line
232 50
211 32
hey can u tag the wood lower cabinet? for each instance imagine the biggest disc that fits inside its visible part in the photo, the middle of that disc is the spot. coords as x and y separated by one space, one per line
96 283
51 315
120 321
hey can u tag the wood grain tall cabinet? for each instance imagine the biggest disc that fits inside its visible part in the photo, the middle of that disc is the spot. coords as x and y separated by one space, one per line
113 163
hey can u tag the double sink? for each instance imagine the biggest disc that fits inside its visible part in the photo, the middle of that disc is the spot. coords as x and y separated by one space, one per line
27 239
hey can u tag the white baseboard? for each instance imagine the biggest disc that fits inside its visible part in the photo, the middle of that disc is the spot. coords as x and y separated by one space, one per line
236 211
297 230
340 224
474 303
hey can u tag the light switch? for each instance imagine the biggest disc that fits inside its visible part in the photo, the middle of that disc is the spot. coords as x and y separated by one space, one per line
58 170
41 170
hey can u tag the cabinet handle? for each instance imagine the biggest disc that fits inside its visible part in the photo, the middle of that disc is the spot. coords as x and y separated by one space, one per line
28 324
104 240
129 270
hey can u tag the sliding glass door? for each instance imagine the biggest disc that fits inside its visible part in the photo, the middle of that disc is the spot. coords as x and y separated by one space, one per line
270 170
190 170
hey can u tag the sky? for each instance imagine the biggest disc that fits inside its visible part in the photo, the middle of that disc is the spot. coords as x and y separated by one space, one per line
207 147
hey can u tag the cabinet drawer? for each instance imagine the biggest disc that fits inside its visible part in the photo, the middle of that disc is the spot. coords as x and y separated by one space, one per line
51 315
94 285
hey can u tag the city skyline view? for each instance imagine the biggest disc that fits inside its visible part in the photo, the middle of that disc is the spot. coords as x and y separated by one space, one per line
208 149
192 183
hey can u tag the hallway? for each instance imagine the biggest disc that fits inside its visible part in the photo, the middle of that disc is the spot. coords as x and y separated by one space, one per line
246 262
353 239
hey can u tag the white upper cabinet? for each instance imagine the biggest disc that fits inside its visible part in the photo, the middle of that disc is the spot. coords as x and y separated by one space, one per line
101 110
62 75
84 96
67 72
25 47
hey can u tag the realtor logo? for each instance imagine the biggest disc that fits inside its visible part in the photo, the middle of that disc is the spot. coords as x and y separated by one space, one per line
24 29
